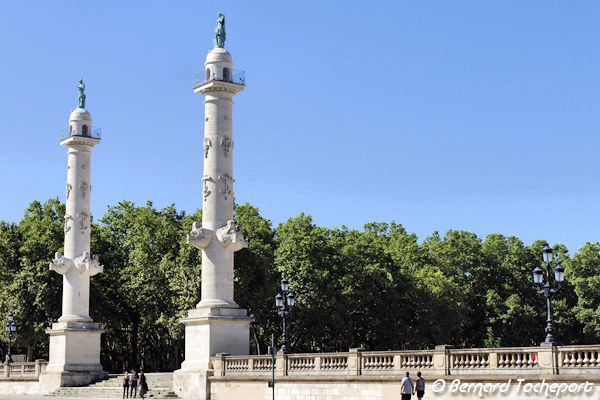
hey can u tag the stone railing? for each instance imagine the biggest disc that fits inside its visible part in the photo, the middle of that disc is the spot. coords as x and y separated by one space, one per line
441 361
578 358
23 370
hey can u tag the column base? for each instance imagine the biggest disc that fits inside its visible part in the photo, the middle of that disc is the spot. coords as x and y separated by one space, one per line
74 355
209 331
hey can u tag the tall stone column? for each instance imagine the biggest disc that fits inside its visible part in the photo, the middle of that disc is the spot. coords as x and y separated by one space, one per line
75 339
217 324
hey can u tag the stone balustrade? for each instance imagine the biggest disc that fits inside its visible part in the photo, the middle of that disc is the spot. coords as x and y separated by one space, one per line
23 370
442 361
578 358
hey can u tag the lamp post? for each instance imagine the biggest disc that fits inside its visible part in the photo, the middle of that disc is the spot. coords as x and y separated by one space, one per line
547 290
285 302
11 328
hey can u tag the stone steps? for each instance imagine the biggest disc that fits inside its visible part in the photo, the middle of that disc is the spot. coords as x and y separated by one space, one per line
159 383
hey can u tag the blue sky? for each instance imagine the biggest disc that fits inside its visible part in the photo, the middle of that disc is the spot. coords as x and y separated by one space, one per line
436 114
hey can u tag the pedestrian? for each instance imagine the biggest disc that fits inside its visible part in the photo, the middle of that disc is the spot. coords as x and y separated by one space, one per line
134 383
420 386
407 388
142 385
126 385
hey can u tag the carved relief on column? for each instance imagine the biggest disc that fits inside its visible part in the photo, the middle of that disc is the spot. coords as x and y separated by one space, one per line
226 144
206 191
199 237
84 187
231 237
226 182
88 265
83 221
67 228
207 146
60 264
68 189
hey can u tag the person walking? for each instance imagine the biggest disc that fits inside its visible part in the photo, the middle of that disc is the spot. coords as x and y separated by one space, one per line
407 388
133 383
143 385
420 386
126 385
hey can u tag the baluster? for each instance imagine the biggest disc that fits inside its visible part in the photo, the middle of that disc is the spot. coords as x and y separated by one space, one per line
567 360
593 359
586 360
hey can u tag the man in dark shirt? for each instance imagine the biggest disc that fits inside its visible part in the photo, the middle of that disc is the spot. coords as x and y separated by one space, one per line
134 383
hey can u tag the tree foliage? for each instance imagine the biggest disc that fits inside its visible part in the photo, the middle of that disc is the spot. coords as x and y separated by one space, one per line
376 288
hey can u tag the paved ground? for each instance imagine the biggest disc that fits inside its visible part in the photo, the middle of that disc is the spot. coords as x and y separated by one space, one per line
37 397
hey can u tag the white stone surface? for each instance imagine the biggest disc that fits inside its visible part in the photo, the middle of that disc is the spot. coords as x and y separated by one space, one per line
382 389
217 206
75 339
217 325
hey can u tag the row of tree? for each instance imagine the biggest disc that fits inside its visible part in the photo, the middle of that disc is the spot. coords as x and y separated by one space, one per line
378 288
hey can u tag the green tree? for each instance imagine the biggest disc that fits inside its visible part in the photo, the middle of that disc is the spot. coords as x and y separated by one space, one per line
32 292
256 279
584 273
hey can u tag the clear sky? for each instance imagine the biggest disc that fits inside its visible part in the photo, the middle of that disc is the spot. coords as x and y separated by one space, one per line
439 115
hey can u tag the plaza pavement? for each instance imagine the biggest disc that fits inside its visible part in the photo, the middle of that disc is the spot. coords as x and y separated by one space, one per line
38 397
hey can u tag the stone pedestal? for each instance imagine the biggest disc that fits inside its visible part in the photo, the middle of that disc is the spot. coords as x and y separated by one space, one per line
74 355
209 331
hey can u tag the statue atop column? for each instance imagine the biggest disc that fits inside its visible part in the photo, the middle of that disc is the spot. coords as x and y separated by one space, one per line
219 40
81 88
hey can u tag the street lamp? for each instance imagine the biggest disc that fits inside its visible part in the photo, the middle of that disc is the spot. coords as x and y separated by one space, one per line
547 290
285 302
11 328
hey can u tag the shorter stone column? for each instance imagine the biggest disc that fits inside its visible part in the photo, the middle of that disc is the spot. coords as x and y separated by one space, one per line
441 359
354 361
547 359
